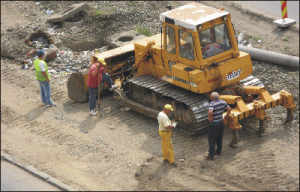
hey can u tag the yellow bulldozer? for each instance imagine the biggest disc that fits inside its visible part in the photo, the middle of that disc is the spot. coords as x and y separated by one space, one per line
195 54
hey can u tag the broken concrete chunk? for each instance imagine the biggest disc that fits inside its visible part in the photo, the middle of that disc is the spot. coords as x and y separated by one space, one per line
75 30
67 13
68 25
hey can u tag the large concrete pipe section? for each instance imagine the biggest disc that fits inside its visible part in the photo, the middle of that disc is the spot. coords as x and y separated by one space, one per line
271 57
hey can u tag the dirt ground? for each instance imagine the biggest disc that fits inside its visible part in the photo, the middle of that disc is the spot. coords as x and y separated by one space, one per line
122 150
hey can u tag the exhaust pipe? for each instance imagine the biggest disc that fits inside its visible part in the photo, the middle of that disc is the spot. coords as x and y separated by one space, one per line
272 57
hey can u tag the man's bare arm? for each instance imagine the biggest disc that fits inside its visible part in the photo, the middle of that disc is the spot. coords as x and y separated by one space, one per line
45 75
228 111
210 113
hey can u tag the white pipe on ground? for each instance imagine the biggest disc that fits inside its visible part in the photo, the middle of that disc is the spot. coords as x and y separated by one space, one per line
272 57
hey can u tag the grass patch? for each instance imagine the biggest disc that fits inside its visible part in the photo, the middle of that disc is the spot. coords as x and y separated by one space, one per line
134 3
143 31
285 39
293 73
286 48
99 12
255 38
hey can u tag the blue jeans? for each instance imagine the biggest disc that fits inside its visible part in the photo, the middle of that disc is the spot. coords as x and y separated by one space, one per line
45 92
92 97
94 91
107 79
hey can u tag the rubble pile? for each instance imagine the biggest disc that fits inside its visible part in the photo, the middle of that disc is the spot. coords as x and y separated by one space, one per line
114 17
65 62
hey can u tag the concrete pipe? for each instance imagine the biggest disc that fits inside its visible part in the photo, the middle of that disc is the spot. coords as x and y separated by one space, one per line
272 57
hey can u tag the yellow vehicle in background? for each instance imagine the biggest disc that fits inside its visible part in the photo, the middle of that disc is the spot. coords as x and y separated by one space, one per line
195 54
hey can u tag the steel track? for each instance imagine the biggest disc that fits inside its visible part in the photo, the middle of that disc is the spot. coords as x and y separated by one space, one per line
197 103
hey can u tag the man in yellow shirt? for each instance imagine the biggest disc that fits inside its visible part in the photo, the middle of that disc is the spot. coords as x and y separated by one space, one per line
165 133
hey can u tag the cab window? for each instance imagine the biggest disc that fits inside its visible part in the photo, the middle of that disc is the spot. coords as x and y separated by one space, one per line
170 38
186 45
214 41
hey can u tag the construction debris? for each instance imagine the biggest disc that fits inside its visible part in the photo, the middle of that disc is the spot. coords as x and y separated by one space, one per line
67 13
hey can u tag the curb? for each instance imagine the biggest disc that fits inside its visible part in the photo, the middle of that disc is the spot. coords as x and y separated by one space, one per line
37 173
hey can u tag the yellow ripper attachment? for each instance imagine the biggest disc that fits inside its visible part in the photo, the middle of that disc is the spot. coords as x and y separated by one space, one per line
257 108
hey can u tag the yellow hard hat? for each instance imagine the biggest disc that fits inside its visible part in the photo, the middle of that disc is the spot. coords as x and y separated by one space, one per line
168 106
102 61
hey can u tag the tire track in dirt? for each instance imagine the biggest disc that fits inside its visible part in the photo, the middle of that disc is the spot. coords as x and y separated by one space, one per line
163 177
9 75
38 128
261 167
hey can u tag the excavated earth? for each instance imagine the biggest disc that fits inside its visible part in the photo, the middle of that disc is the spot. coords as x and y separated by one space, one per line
122 150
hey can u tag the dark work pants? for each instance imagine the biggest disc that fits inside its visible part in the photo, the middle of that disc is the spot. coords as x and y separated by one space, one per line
215 136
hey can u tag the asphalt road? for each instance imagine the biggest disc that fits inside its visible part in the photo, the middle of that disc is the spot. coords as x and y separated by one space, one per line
272 9
14 178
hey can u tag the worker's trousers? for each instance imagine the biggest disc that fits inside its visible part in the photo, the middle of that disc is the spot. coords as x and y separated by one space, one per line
167 146
45 92
215 137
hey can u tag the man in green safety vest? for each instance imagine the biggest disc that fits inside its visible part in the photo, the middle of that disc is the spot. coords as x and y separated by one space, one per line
43 77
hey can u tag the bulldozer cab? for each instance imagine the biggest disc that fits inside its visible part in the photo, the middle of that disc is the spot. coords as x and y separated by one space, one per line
198 35
199 50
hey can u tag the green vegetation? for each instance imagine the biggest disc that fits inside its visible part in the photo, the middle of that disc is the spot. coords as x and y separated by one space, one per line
286 48
134 3
98 12
143 31
255 38
293 73
285 39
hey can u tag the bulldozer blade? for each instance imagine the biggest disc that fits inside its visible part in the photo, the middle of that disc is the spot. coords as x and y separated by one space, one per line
290 116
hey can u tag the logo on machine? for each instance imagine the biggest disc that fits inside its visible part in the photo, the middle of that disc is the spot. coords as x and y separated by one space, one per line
184 81
233 75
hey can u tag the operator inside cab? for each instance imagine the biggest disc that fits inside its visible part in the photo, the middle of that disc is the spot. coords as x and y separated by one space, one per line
214 41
